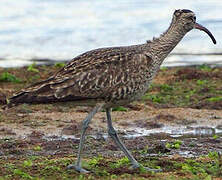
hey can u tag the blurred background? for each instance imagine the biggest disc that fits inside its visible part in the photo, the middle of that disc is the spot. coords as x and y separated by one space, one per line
45 31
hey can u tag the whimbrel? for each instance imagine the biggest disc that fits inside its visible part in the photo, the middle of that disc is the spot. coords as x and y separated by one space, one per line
109 77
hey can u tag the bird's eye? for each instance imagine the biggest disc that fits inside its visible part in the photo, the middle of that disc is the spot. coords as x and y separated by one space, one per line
193 18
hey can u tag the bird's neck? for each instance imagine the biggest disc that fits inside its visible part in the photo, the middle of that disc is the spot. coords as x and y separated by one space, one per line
162 46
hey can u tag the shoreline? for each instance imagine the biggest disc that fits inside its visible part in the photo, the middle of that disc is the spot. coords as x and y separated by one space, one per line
167 63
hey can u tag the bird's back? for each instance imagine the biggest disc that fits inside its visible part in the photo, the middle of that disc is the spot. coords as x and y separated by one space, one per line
114 75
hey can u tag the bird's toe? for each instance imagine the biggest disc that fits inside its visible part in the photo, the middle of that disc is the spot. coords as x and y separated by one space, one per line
152 170
77 168
146 168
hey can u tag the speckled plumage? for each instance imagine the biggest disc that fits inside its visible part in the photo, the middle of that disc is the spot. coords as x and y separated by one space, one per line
107 74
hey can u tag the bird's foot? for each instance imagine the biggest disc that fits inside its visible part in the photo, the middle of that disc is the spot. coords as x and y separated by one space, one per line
141 167
152 170
77 168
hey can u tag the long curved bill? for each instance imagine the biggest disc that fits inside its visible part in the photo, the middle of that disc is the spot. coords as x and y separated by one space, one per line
202 28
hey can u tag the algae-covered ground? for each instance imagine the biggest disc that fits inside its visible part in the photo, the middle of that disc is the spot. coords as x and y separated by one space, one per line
177 126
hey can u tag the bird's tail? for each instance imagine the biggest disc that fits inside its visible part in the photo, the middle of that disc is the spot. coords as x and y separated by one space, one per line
16 100
40 93
36 93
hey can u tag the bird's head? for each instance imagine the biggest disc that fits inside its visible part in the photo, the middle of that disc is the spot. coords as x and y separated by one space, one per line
186 19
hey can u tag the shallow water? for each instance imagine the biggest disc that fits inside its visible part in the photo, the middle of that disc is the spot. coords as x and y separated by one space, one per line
172 131
60 30
176 131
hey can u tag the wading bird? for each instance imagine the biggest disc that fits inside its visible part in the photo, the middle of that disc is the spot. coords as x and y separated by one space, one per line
109 77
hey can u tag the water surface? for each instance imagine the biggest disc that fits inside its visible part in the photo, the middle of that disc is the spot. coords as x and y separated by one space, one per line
60 30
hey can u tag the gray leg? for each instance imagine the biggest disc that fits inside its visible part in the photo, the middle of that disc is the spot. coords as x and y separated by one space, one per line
85 125
114 136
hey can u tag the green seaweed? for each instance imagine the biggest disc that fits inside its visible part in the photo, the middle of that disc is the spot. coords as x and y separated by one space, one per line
32 68
8 77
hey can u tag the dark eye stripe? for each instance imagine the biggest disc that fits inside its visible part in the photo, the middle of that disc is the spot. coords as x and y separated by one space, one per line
186 11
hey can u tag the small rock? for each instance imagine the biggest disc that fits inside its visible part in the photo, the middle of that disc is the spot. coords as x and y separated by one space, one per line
161 148
3 99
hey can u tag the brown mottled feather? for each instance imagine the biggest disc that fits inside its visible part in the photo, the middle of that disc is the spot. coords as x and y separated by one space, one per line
97 74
